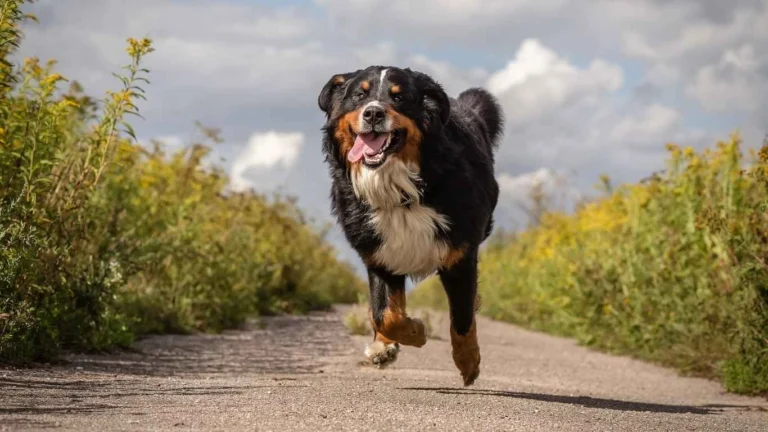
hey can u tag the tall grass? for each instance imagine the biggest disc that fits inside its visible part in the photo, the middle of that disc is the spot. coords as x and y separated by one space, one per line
673 270
102 240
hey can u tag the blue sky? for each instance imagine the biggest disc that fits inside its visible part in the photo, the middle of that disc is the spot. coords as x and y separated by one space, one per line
589 87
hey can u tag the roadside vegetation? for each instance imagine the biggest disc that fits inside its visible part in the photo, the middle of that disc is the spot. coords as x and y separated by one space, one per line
103 240
672 270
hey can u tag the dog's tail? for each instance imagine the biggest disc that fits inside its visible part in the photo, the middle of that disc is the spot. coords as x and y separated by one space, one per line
487 107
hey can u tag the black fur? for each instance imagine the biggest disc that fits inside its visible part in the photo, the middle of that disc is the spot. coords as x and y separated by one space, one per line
457 169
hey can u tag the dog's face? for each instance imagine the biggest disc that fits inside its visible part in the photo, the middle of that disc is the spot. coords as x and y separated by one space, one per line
382 112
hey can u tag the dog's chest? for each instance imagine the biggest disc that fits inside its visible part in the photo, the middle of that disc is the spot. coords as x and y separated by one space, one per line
410 244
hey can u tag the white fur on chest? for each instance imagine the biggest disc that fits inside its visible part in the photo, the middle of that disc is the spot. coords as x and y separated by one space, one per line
409 243
409 234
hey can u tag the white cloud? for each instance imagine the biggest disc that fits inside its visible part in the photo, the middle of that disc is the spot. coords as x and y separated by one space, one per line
381 53
738 82
716 51
453 79
515 197
518 187
436 13
538 82
693 37
265 150
653 124
217 56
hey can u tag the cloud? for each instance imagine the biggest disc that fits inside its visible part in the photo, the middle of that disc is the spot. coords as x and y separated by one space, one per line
557 112
736 83
655 122
454 80
538 82
714 53
516 193
434 14
518 187
691 34
265 150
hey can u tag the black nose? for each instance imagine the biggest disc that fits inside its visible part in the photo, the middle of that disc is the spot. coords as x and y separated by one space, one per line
373 115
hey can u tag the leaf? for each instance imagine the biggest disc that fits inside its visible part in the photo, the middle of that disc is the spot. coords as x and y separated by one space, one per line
129 130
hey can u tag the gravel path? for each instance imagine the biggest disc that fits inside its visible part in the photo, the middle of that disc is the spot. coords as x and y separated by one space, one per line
305 373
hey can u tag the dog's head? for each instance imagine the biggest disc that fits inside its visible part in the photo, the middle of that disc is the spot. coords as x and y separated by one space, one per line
380 113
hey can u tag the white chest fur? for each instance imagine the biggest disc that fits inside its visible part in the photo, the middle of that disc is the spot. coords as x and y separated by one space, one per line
409 243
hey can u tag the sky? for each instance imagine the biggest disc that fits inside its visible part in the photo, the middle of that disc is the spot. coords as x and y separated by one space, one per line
588 87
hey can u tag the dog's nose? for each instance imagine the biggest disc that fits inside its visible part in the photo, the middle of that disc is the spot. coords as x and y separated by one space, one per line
374 115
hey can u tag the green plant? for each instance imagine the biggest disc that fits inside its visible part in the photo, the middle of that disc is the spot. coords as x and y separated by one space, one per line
103 240
671 270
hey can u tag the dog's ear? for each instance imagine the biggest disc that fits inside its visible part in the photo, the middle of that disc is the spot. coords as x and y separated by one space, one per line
435 99
331 90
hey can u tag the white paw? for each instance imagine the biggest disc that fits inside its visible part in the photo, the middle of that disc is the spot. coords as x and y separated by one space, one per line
382 355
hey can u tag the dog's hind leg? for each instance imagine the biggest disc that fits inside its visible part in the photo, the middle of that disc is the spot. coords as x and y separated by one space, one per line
460 283
392 325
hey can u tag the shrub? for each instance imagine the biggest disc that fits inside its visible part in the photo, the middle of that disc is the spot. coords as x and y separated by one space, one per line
673 270
102 240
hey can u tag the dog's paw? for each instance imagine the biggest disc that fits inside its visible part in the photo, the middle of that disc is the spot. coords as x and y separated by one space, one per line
382 355
466 355
414 333
468 363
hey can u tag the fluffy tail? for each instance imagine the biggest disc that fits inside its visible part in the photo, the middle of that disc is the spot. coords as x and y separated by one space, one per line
485 105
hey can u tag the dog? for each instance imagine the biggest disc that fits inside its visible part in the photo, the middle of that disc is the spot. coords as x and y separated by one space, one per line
413 189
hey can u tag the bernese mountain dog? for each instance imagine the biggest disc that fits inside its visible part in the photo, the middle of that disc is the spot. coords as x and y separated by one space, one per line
413 189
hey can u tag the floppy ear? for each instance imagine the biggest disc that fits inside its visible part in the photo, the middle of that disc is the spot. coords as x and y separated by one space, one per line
331 89
435 98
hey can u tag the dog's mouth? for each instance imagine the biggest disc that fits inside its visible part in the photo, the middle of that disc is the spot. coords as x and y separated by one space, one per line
373 148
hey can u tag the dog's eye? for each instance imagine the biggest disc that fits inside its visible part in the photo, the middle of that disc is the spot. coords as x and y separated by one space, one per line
397 98
360 95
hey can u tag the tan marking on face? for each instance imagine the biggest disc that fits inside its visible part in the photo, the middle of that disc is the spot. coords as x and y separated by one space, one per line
395 89
366 85
344 136
410 153
338 79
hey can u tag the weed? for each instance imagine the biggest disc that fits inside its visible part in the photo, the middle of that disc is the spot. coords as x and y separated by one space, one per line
671 270
103 240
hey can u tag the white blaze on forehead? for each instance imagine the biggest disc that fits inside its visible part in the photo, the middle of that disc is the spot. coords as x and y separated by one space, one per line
381 81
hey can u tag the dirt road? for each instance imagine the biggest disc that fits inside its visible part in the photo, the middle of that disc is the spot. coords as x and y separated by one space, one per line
304 373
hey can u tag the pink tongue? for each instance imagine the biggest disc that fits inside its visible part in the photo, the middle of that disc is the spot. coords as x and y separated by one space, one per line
366 144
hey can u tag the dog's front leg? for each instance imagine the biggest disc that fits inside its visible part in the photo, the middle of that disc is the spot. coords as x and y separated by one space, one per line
391 325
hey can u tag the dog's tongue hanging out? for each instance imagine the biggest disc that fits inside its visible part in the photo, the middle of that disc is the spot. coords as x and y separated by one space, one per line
366 144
